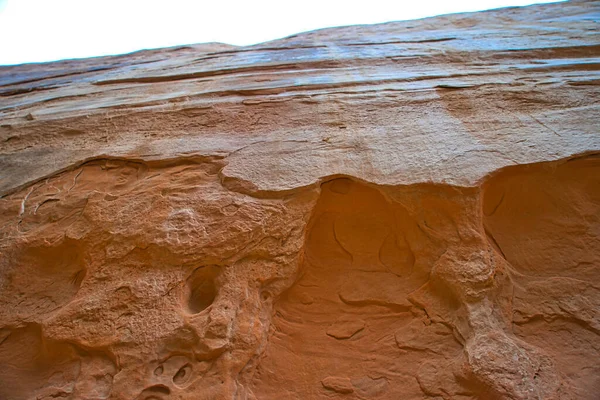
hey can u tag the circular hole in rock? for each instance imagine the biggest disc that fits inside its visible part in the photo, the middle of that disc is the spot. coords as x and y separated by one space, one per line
265 296
158 389
155 392
202 288
183 375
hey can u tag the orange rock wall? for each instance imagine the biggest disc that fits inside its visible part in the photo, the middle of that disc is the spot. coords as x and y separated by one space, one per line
400 211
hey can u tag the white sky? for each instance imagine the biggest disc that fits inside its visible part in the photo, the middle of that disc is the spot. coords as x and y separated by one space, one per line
44 30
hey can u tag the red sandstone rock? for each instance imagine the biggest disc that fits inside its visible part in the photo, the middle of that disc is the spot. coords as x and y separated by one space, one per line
399 211
338 384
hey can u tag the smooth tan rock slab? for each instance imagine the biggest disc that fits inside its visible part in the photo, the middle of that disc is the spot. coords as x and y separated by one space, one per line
400 211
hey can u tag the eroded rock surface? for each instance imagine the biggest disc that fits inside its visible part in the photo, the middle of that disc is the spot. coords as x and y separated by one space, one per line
399 211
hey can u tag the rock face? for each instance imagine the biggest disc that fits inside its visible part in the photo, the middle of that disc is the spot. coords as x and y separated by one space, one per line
400 211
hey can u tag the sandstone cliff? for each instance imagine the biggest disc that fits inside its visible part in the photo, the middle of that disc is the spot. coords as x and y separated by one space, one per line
399 211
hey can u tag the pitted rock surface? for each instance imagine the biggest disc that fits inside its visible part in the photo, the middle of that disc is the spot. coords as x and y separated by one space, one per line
400 211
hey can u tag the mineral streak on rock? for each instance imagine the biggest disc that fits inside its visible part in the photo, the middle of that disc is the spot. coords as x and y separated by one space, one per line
399 211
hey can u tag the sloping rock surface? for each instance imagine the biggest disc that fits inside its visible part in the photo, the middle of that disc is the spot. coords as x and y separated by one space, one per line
400 211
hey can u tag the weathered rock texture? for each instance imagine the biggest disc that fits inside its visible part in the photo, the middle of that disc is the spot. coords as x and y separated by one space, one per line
400 211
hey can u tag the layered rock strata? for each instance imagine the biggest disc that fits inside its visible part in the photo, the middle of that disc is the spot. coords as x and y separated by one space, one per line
408 210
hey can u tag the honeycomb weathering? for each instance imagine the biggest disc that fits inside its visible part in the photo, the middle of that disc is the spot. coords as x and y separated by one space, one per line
399 211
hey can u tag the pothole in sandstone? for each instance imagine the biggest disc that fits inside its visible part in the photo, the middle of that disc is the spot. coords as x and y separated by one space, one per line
202 288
